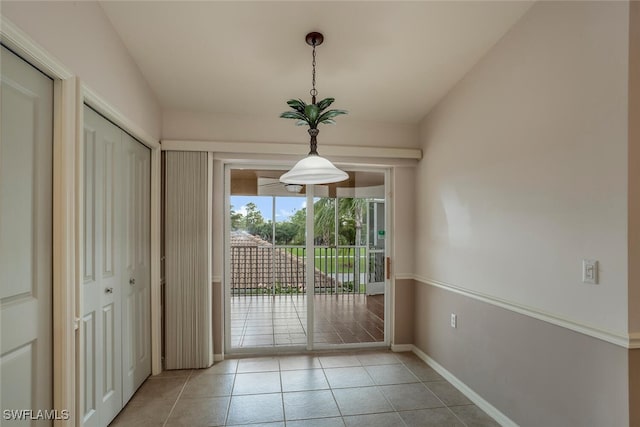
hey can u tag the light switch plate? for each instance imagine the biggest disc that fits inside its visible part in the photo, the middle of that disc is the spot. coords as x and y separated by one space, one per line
454 321
590 271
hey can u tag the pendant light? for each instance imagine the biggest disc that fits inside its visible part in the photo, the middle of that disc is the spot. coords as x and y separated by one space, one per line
313 169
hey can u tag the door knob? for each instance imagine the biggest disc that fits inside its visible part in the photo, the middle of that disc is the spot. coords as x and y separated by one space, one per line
132 281
108 291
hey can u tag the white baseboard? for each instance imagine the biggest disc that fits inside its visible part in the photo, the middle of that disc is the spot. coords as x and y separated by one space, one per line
501 418
218 357
398 348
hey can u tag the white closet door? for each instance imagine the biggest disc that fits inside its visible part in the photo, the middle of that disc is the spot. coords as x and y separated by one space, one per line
25 236
136 346
103 270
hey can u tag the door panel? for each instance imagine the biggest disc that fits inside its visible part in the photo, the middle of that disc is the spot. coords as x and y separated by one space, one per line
103 270
110 289
25 236
89 360
136 284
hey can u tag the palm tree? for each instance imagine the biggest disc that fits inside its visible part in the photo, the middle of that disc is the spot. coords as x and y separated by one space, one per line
353 209
324 221
350 217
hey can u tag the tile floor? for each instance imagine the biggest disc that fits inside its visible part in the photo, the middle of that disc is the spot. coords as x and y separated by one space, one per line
368 388
267 321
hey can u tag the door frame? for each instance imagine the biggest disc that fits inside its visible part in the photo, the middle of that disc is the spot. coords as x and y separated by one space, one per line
70 93
309 346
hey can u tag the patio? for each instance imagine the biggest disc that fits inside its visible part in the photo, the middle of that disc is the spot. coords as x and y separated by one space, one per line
281 320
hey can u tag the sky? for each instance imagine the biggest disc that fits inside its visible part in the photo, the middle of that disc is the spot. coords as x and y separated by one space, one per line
285 206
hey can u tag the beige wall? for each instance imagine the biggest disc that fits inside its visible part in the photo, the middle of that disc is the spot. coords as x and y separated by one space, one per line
530 166
404 315
535 373
525 168
81 37
634 387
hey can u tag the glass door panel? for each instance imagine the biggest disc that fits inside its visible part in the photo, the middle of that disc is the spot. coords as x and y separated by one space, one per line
349 285
267 262
269 288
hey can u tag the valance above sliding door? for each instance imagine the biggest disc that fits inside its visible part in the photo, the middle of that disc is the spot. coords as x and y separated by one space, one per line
188 321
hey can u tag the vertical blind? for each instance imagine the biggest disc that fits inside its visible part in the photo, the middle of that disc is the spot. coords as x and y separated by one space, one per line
188 323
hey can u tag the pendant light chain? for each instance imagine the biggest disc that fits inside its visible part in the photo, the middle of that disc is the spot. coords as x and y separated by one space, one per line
313 91
313 169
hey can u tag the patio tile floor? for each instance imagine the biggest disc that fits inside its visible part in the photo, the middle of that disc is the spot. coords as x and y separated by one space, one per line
281 320
297 390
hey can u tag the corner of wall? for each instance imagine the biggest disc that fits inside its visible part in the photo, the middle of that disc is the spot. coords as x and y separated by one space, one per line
634 168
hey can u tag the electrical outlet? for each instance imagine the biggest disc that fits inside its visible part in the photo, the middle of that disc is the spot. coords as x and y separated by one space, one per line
454 320
590 271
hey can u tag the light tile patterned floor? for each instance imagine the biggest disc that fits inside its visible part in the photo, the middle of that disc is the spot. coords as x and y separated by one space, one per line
267 321
368 388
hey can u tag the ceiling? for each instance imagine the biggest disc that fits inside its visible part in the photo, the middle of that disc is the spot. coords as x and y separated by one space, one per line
383 61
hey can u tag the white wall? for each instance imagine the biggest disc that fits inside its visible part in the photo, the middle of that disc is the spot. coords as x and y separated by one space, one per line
525 168
187 125
404 219
81 37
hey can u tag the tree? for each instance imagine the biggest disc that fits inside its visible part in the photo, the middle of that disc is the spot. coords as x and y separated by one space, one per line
351 214
263 230
254 219
299 220
237 220
286 232
324 221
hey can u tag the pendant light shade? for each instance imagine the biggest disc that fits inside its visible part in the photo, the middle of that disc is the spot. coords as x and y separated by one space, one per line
314 169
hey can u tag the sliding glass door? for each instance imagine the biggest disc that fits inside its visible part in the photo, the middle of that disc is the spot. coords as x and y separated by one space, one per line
271 289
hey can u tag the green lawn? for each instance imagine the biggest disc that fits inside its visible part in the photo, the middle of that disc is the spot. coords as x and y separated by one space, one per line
326 259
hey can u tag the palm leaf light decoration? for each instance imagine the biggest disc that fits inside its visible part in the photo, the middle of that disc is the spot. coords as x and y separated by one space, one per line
312 115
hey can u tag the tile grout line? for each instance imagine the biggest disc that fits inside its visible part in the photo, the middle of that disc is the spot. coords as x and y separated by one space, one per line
178 398
437 397
380 391
273 334
331 390
427 387
235 375
457 417
284 414
244 326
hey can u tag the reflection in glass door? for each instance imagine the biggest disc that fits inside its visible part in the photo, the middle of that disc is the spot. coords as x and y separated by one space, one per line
269 287
349 287
375 247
